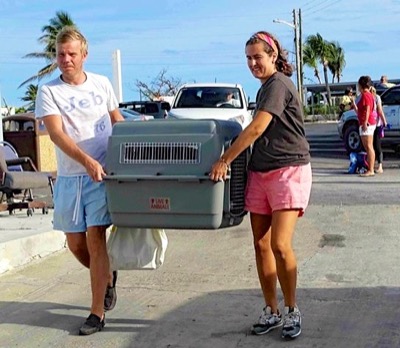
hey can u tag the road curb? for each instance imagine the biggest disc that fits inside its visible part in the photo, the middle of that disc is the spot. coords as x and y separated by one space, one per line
21 251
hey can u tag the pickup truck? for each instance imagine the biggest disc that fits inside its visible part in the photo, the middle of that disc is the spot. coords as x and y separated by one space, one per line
348 127
221 101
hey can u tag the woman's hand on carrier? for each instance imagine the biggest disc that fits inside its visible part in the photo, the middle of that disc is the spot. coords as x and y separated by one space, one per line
219 170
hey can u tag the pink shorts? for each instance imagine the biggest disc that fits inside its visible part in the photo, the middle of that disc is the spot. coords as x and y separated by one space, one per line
286 188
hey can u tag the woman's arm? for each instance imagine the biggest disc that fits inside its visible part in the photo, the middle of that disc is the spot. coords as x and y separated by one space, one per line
247 137
381 114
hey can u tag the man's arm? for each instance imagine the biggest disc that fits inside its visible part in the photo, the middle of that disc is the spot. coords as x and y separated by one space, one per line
53 125
116 116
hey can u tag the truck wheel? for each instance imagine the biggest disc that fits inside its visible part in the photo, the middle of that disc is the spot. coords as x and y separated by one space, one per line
352 139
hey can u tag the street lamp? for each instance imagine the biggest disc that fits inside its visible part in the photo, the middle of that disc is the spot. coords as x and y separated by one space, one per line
295 27
284 22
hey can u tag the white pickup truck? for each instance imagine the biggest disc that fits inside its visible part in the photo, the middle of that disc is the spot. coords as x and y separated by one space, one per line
221 101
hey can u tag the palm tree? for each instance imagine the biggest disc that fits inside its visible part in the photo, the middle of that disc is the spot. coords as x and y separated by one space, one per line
50 31
310 59
337 62
321 50
30 96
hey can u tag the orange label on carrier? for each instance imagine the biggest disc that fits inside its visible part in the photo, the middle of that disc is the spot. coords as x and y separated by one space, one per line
159 203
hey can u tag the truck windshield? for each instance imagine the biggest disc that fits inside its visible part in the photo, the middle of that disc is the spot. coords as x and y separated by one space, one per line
209 97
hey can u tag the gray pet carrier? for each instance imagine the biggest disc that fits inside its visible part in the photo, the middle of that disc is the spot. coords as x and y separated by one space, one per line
158 175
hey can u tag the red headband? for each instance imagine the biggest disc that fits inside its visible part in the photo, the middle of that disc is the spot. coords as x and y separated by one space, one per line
266 38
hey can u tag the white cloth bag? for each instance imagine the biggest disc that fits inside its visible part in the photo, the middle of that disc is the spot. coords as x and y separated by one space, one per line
136 248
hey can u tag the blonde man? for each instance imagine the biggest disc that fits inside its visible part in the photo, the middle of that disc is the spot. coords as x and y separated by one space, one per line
78 109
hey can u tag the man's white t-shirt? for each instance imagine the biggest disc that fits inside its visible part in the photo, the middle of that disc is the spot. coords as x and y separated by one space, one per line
84 110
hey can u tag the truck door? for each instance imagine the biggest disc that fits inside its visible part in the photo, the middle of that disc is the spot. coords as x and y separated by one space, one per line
391 107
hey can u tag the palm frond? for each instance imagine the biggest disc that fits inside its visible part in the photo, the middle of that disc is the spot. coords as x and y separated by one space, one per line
48 39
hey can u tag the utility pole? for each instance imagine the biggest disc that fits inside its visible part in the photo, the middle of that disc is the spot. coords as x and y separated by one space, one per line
117 79
297 51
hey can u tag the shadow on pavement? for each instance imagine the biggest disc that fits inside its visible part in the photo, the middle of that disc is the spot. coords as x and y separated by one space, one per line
350 317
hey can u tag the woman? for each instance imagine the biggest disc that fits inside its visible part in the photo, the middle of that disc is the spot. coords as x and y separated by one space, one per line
367 121
378 133
279 179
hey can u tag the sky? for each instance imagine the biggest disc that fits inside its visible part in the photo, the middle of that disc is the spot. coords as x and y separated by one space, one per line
196 41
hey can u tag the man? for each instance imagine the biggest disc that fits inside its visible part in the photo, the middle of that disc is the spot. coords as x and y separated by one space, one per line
229 99
385 83
78 109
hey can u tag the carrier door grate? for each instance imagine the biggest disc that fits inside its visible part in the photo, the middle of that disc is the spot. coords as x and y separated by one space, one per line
238 184
160 153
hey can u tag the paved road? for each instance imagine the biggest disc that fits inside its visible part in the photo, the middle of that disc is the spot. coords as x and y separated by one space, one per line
207 293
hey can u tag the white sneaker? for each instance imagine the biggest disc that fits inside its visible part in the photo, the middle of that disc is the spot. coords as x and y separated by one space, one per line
267 322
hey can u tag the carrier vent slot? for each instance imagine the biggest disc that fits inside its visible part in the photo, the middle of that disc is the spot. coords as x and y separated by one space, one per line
160 153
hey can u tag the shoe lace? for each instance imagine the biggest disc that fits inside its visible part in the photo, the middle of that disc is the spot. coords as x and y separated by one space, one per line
269 318
290 319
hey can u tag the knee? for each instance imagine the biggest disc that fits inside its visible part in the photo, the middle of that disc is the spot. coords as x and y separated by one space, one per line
262 247
281 250
96 240
77 247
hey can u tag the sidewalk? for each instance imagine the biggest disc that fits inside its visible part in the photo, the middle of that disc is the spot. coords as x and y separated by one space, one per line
25 238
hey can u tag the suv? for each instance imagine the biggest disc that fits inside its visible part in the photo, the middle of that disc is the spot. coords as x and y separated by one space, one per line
157 109
348 123
221 101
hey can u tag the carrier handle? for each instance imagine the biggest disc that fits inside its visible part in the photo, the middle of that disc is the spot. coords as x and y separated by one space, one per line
181 178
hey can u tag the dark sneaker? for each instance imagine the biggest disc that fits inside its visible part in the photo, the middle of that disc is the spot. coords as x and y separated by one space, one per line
92 324
291 323
267 322
110 298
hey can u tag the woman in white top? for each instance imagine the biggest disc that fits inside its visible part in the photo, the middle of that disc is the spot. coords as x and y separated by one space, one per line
378 134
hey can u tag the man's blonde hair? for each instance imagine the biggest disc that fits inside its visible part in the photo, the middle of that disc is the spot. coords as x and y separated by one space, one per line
71 33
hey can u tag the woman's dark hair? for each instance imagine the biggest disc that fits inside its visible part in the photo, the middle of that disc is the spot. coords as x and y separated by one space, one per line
365 82
281 62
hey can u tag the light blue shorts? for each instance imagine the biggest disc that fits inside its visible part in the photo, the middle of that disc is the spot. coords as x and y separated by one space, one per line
79 203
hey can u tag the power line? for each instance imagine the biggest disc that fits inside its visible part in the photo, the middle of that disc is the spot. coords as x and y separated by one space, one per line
322 8
307 4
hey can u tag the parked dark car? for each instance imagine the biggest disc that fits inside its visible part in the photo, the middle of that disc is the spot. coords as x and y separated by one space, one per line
348 126
131 115
157 109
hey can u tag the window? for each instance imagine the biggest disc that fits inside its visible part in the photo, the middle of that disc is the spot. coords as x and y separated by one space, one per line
209 97
391 97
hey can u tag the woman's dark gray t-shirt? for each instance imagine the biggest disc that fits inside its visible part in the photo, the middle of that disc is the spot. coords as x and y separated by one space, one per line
283 143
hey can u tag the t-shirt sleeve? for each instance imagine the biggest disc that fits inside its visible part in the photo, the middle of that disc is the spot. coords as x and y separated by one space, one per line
274 100
45 104
112 102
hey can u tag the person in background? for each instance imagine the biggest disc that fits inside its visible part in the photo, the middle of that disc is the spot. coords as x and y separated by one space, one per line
378 133
385 83
346 102
229 99
78 109
364 106
279 179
